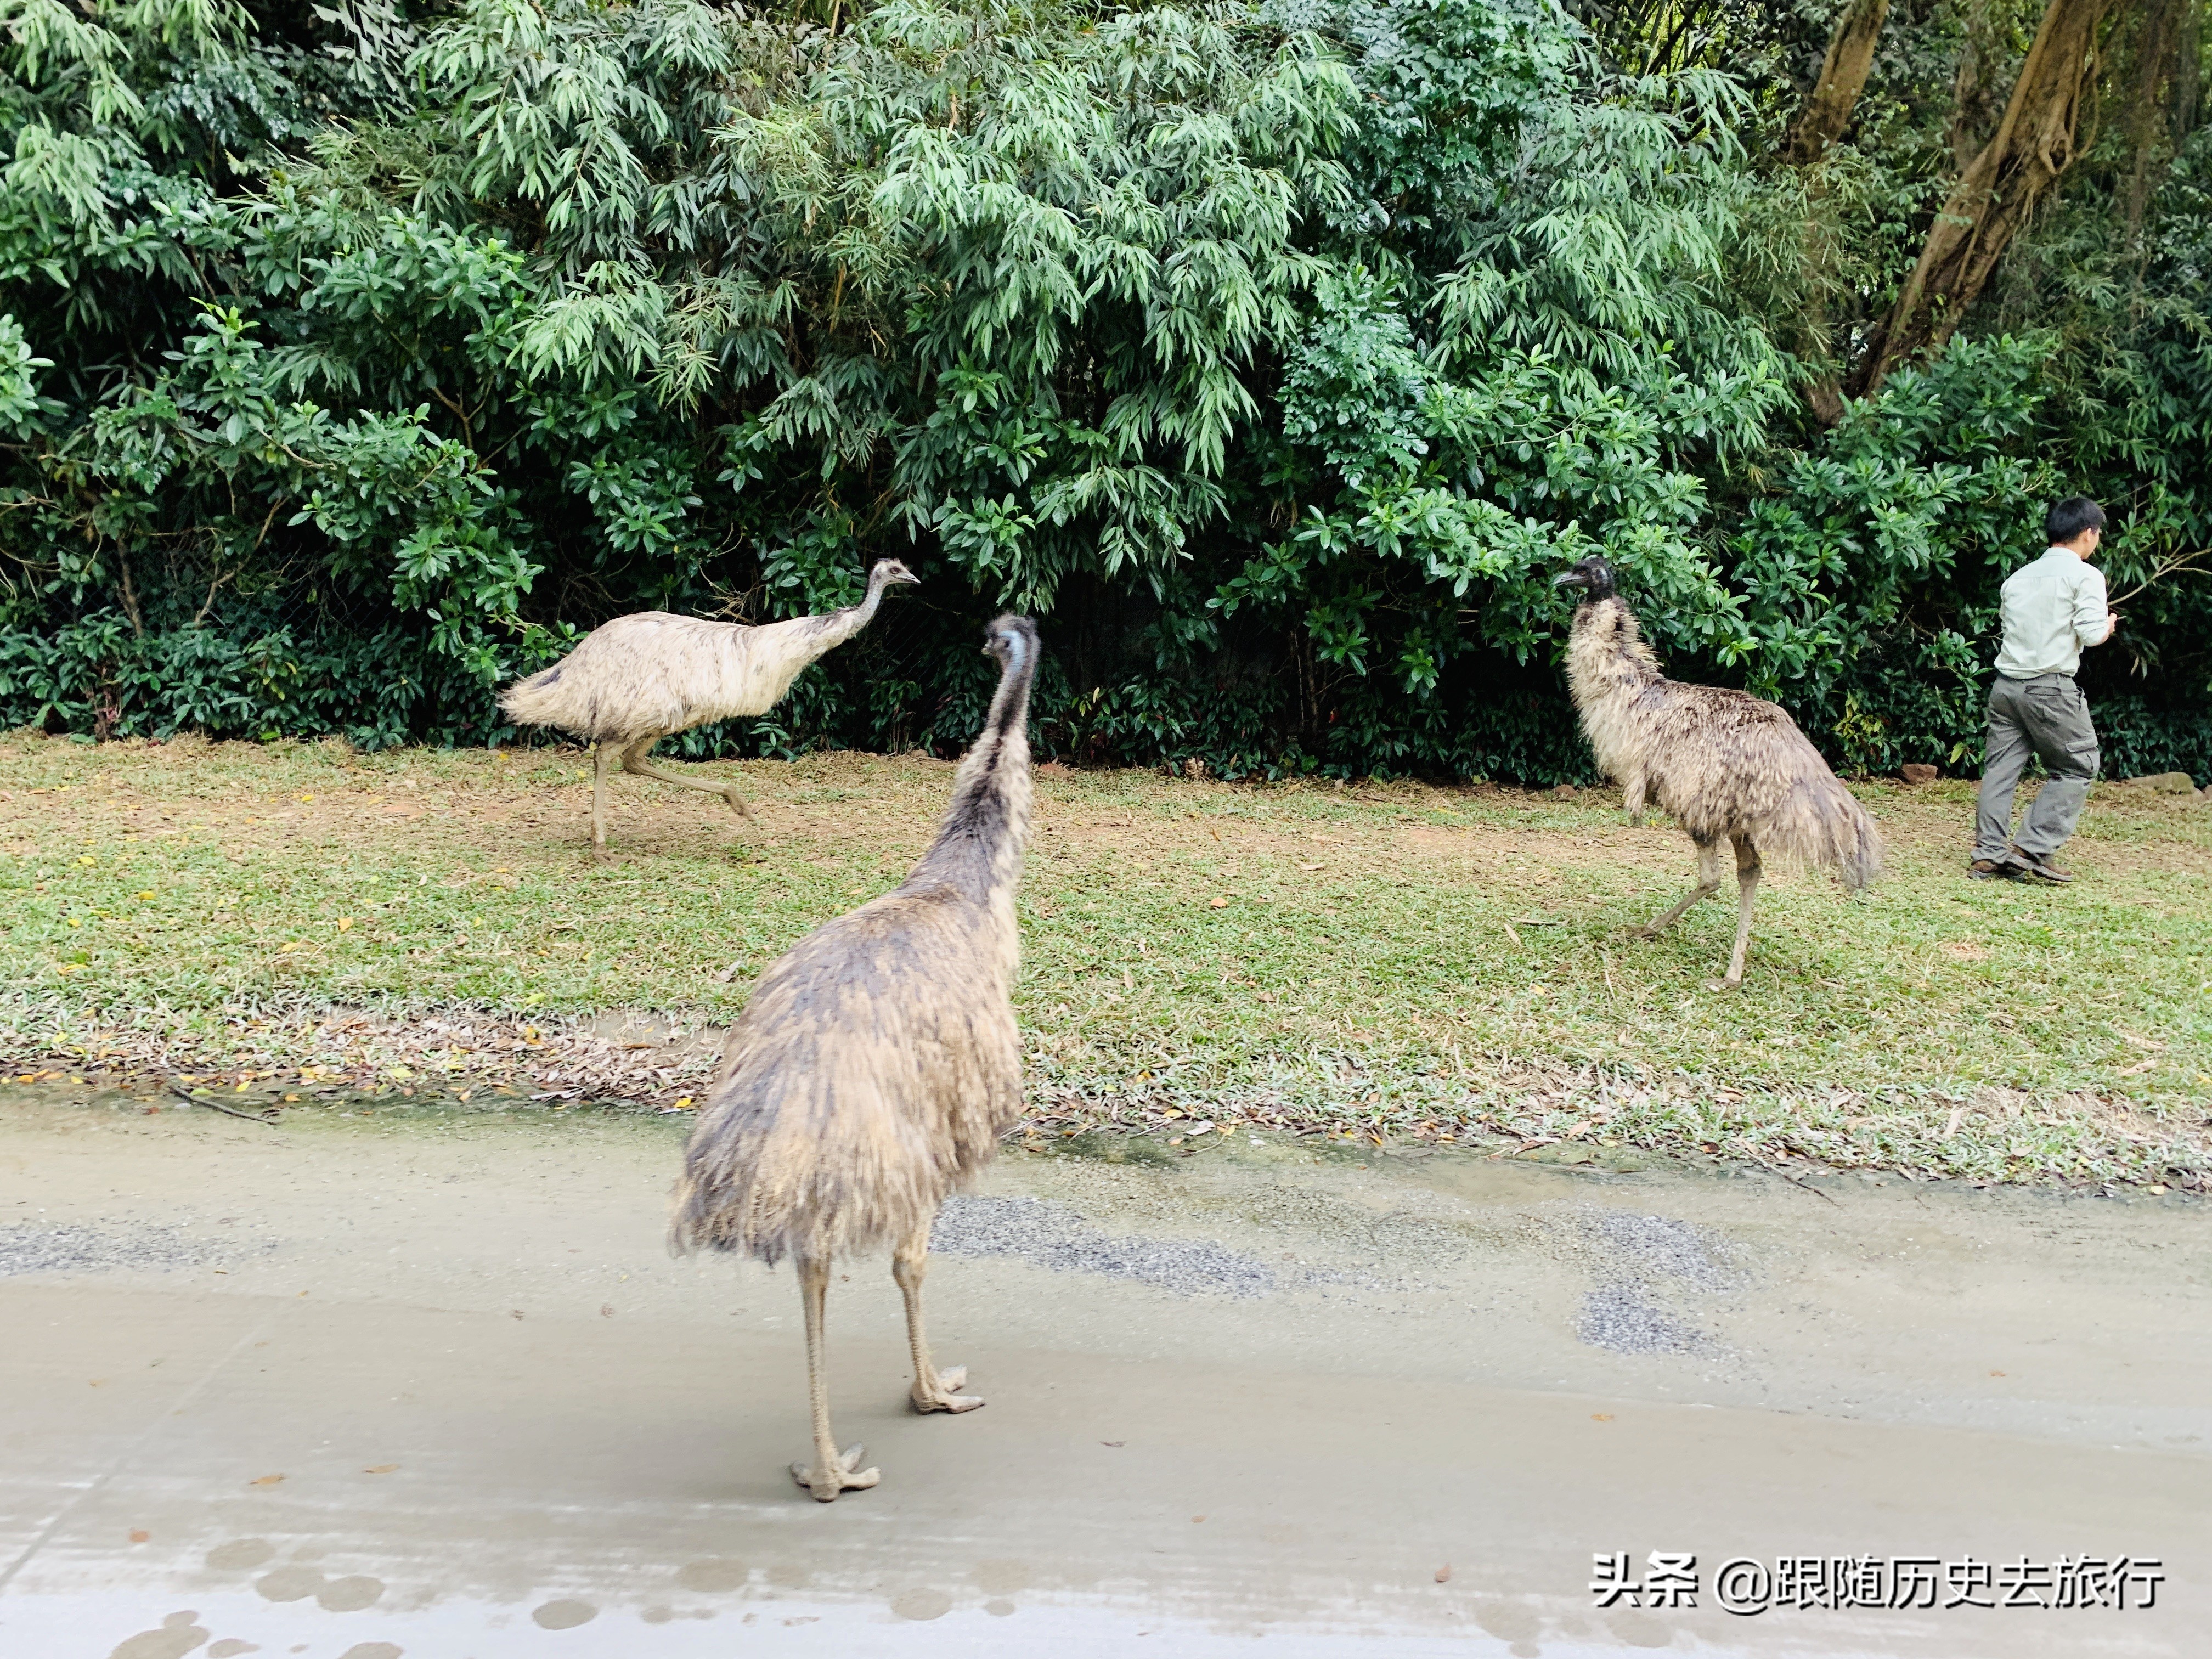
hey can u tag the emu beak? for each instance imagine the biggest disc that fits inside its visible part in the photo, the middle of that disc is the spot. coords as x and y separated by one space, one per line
1567 579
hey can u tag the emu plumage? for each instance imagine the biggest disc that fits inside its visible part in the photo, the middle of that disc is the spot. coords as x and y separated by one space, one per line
638 679
1729 767
877 1065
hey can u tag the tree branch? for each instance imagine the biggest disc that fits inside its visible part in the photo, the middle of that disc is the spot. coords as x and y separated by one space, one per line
2174 564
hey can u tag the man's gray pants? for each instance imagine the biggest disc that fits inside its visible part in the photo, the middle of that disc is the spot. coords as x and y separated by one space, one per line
2046 717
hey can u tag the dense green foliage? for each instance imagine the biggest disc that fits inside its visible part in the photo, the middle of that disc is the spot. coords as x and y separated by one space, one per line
358 357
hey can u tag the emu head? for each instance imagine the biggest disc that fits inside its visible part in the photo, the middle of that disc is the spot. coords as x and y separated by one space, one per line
1593 575
890 572
1013 640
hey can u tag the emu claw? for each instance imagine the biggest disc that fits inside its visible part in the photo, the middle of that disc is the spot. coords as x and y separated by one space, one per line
843 1475
944 1394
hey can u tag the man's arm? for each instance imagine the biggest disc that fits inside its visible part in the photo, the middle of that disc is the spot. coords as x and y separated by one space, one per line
2093 623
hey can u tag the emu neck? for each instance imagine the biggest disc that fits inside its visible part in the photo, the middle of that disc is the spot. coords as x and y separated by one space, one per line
864 612
979 844
1606 657
839 626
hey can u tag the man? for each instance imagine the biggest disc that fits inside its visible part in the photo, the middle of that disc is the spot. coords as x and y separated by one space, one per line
2053 609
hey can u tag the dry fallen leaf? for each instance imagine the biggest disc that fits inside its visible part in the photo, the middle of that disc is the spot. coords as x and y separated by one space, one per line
1113 1442
1601 1417
1996 1373
1219 904
1443 1573
344 923
380 1469
139 1534
266 1481
606 1310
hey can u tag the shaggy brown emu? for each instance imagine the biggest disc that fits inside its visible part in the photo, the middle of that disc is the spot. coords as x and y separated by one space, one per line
877 1065
638 679
1728 766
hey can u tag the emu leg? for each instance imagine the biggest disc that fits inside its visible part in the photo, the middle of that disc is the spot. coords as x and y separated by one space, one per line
600 755
834 1471
633 763
933 1390
1746 878
1708 882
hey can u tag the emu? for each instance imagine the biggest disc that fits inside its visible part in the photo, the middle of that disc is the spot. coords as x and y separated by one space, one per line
638 679
877 1065
1728 766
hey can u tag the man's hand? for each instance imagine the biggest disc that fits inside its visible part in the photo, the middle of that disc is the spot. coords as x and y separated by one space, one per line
2112 625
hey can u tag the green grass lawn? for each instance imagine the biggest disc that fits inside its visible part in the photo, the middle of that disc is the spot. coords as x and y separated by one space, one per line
1383 960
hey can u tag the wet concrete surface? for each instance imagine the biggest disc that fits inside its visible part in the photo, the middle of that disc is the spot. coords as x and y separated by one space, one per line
362 1387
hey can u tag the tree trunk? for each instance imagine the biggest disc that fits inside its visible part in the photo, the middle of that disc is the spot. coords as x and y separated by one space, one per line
2164 105
1974 107
1824 119
1827 113
2034 146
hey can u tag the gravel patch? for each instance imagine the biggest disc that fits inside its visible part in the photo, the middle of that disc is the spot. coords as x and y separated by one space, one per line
1635 1261
66 1248
1616 1318
1054 1236
1653 1246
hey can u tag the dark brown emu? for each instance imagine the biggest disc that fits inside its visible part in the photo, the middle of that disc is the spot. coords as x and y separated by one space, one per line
1728 766
877 1065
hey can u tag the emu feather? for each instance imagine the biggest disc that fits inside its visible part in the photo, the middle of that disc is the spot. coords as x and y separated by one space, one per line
878 1063
1729 766
638 679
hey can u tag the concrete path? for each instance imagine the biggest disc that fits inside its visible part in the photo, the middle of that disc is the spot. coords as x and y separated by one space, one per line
359 1389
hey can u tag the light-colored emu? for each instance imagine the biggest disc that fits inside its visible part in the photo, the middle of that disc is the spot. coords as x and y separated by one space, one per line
877 1065
1728 766
638 679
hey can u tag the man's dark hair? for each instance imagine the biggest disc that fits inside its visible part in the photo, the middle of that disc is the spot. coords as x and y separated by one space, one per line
2069 518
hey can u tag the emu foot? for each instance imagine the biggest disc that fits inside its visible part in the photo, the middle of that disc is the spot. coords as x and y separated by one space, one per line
1735 984
944 1394
843 1474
